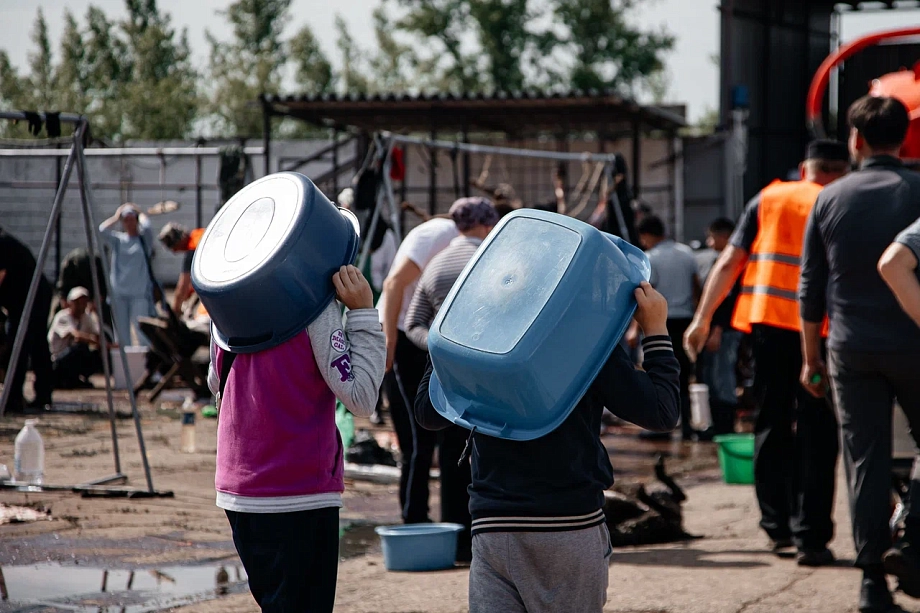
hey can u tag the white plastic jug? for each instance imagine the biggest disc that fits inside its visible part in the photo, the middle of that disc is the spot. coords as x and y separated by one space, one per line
29 458
700 413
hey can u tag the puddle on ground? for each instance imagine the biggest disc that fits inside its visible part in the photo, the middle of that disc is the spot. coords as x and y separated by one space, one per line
55 587
58 588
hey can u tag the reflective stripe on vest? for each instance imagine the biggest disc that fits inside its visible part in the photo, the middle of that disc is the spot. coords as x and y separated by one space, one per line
769 287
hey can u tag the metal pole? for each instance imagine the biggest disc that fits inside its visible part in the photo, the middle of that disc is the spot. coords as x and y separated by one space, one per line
432 174
97 301
57 228
637 159
37 276
198 222
466 166
266 138
508 151
679 211
335 162
88 209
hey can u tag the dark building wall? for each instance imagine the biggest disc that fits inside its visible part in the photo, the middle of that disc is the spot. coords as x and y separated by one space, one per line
773 47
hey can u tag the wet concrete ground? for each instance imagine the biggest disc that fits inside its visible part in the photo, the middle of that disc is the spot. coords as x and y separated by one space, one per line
187 536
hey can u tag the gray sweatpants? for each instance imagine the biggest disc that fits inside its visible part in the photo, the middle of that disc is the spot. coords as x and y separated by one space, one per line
540 572
865 386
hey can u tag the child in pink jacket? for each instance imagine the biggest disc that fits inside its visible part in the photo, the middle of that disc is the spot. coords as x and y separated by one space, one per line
279 455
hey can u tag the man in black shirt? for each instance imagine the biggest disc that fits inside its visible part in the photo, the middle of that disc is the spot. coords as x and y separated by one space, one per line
873 346
17 265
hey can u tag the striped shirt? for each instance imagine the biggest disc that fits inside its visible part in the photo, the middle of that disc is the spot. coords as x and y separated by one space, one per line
434 285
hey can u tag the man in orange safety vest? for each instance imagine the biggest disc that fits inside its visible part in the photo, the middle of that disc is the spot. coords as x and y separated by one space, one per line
180 240
796 442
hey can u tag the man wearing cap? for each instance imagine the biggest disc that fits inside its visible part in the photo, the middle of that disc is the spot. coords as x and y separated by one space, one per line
178 239
873 347
74 342
131 279
475 218
796 434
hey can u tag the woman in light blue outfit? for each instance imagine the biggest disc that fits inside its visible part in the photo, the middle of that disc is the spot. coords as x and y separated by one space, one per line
131 292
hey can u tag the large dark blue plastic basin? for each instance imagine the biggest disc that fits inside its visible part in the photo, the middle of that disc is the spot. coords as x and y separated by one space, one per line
264 267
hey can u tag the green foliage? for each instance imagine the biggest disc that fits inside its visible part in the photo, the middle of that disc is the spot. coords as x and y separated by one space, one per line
135 78
248 65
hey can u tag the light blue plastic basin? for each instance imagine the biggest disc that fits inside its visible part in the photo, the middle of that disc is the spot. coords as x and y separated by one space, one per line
530 322
419 547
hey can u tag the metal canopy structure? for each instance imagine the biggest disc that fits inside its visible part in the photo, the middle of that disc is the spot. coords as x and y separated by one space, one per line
509 113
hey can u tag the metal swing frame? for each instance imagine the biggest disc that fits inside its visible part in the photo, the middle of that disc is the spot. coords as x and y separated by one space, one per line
76 158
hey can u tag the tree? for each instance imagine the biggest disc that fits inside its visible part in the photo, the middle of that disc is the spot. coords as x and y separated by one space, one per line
449 67
392 64
609 52
106 69
70 75
313 73
160 98
249 65
504 38
351 75
41 77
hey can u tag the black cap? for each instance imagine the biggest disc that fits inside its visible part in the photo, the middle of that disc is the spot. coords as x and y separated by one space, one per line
828 150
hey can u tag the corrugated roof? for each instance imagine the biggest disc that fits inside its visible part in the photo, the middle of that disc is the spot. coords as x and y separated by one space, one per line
511 112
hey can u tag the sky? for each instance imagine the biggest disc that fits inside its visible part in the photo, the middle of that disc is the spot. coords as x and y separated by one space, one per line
695 23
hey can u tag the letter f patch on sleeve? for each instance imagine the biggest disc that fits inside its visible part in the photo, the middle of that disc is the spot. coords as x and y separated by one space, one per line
343 365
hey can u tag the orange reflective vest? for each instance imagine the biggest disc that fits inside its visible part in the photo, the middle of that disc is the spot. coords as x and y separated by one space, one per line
770 285
194 237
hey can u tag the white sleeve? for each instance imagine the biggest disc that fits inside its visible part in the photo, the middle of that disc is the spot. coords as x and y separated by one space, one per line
352 359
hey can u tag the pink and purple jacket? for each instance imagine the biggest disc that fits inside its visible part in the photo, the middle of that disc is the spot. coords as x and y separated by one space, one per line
278 448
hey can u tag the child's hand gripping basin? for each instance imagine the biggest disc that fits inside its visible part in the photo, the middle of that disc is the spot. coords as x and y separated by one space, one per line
530 322
264 267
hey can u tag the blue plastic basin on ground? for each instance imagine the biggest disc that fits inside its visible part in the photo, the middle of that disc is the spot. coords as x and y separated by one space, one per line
419 547
530 322
264 266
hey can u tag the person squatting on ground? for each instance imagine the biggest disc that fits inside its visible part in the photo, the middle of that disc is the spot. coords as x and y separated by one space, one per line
718 363
540 541
280 469
406 362
873 347
675 275
130 278
74 342
796 442
17 266
475 218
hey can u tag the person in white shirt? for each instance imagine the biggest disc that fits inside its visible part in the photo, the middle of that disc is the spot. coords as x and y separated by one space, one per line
74 342
406 363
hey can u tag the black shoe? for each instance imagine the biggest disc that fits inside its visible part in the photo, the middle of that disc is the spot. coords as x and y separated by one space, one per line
778 545
874 596
815 557
648 435
901 561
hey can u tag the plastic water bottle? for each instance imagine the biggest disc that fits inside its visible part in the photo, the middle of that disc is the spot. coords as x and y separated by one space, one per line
29 458
187 437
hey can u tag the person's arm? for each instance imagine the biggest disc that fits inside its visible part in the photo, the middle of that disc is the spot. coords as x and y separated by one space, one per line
213 374
898 268
719 284
352 359
649 398
419 316
425 413
812 305
108 227
401 276
183 292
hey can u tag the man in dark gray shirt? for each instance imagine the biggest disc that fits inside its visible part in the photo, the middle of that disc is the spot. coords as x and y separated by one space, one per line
873 347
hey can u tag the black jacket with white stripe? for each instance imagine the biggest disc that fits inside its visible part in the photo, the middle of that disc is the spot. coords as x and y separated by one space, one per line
557 482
